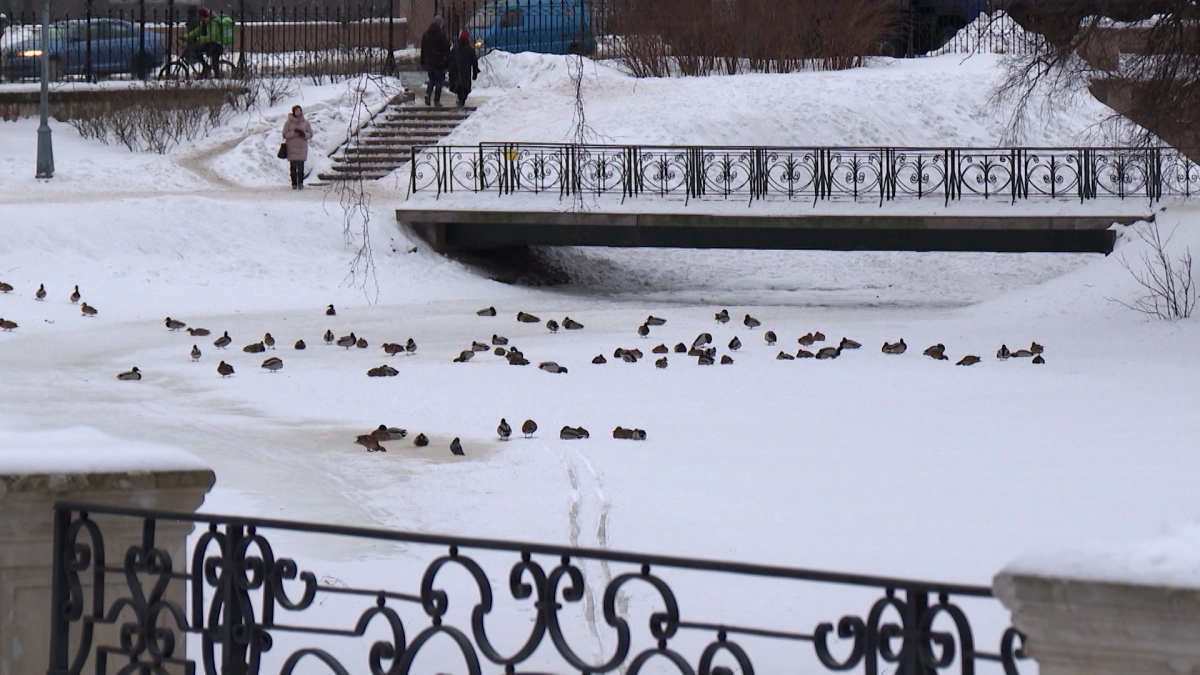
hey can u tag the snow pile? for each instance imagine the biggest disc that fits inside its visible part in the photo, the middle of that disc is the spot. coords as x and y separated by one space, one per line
995 33
1172 560
74 450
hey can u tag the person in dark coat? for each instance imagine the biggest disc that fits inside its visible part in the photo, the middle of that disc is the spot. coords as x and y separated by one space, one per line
435 55
296 132
464 67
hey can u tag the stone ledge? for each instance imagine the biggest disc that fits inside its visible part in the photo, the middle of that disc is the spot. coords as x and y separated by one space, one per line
59 483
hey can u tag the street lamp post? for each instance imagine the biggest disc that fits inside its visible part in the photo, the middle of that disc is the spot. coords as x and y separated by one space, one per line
45 149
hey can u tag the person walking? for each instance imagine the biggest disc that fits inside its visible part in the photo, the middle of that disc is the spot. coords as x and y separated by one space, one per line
297 131
435 54
464 67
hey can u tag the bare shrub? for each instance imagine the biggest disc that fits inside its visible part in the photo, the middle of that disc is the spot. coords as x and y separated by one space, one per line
159 123
1169 290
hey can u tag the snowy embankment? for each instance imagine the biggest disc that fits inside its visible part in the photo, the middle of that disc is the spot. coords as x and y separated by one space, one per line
896 465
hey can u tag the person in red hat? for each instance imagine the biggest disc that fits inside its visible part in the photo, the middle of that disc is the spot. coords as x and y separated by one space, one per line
464 67
207 37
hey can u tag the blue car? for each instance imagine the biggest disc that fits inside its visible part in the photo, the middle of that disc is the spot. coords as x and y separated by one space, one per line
543 26
115 47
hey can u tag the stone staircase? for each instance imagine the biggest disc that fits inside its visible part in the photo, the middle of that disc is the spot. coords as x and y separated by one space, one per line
387 141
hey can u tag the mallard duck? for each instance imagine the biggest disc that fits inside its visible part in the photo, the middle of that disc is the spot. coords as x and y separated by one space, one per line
347 341
599 360
172 324
75 295
828 353
489 311
88 310
847 343
391 348
195 353
804 354
330 311
818 336
464 356
655 321
621 433
705 360
1036 348
383 371
735 344
369 442
722 316
410 347
328 337
499 351
1038 360
1003 352
726 360
552 325
256 348
223 341
769 336
806 340
300 345
421 441
385 433
937 351
681 348
1022 354
571 324
661 349
661 363
199 332
268 341
224 369
456 447
969 360
7 325
895 347
643 330
573 433
529 428
784 356
635 353
638 435
498 340
751 322
504 430
517 360
361 343
40 293
131 374
273 364
551 367
479 347
527 318
701 340
5 288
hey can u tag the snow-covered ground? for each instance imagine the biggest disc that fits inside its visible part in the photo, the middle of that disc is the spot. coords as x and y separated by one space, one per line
891 465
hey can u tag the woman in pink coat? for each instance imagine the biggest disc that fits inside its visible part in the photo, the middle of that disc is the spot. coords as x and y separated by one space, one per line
296 131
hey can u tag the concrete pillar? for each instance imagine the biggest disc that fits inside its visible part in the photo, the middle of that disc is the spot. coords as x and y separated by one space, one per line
31 481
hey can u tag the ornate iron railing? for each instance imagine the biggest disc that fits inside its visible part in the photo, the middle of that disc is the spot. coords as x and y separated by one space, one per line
234 598
813 174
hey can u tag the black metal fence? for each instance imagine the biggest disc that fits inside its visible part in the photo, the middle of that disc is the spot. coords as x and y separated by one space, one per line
812 174
300 41
234 598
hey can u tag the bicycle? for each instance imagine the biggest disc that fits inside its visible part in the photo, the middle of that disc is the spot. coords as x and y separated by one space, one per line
189 66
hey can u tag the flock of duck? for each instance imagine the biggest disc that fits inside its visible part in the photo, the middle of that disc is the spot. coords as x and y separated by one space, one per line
40 295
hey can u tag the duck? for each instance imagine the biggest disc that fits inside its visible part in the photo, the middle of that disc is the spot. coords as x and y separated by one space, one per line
517 359
199 332
722 316
464 356
499 351
347 341
330 311
529 428
385 433
223 341
1003 352
735 344
273 364
751 322
571 324
88 310
1022 354
643 330
421 441
804 354
195 353
705 360
661 349
784 356
7 325
224 369
635 353
256 348
661 363
391 348
1039 360
499 340
479 347
328 337
968 360
486 311
172 324
551 367
639 435
847 343
552 325
806 340
410 347
131 374
937 351
268 341
456 447
300 345
504 430
5 288
1036 348
40 293
599 360
573 433
895 347
75 295
621 433
726 360
369 442
828 353
769 336
701 340
361 343
524 317
681 348
818 336
655 321
383 371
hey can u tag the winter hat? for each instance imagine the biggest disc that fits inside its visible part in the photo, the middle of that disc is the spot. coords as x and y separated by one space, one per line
464 35
203 12
438 21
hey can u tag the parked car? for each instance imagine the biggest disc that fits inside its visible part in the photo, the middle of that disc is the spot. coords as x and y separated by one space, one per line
543 26
114 47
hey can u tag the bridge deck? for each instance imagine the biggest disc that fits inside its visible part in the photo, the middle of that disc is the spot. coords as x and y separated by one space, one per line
449 230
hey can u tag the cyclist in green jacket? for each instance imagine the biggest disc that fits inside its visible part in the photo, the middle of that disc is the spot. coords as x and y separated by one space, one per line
207 37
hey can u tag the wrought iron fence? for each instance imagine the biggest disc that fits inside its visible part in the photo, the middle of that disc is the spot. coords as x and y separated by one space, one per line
139 41
235 597
812 174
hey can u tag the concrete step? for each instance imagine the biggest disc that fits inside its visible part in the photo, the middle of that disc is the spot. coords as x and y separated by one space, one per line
353 167
365 175
427 115
399 139
377 132
414 126
422 108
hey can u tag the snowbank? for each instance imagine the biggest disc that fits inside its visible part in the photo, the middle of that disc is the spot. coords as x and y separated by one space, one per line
1172 561
80 449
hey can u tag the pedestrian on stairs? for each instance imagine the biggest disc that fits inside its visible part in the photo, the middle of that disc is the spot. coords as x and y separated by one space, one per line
464 67
297 131
435 56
